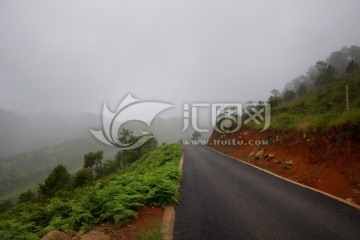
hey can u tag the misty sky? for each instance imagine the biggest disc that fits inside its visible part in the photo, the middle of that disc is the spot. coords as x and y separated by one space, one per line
74 55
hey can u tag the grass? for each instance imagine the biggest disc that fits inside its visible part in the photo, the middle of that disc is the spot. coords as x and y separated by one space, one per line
153 234
322 109
151 180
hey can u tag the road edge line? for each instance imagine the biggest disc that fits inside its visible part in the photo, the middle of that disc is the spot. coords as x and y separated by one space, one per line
291 181
168 219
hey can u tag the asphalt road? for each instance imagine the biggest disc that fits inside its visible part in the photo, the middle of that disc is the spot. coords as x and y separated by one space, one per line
225 199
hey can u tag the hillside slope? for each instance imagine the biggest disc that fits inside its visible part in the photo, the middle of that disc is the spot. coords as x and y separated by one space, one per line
152 180
321 109
22 171
312 140
328 161
22 132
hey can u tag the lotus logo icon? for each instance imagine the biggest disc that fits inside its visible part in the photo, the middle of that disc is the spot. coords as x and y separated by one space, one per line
130 109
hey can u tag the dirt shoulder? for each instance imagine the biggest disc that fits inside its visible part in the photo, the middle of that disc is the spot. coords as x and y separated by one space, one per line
148 223
328 161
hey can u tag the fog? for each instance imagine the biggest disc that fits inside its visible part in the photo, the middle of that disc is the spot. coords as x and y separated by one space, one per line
76 55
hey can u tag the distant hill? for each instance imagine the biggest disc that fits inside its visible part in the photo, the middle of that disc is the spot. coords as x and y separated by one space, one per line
22 171
31 145
21 132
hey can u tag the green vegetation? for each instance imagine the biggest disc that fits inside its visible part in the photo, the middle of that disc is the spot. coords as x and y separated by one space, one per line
83 177
24 164
20 172
196 135
317 100
321 109
59 179
154 234
151 180
93 158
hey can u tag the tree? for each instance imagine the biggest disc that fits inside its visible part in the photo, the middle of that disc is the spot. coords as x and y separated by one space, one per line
354 53
82 177
312 75
275 92
289 95
302 91
58 179
126 135
274 101
27 196
352 67
93 158
150 145
125 157
338 60
327 74
5 205
321 66
196 135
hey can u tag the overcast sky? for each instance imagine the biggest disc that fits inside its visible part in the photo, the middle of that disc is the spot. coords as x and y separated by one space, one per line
74 55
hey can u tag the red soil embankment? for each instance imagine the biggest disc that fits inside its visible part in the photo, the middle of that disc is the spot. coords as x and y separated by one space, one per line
328 161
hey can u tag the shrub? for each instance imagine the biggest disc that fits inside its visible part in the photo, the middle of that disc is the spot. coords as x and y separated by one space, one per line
151 180
27 196
58 179
82 177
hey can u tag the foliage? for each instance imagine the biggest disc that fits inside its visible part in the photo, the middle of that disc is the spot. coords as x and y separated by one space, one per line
338 60
5 205
58 179
275 92
317 100
284 121
302 90
82 177
20 172
126 135
321 109
93 158
151 180
27 196
327 74
153 234
106 168
289 95
196 135
352 67
274 101
126 157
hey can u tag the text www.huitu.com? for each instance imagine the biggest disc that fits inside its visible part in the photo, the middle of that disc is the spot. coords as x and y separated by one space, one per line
225 142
